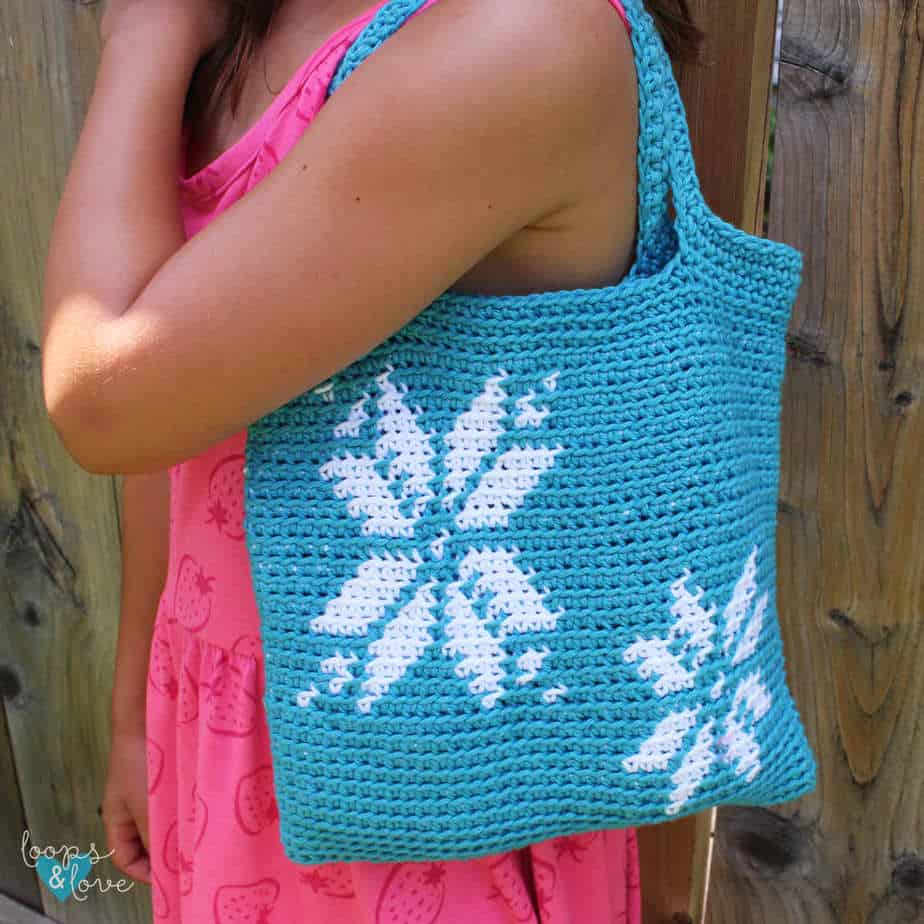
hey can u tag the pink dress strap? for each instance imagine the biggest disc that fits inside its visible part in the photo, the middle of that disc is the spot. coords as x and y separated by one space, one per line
619 9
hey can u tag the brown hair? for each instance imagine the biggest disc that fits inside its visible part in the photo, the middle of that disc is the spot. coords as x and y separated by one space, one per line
223 70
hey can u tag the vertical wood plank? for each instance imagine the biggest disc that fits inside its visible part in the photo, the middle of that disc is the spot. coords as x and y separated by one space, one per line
59 539
728 103
848 191
727 99
12 912
16 879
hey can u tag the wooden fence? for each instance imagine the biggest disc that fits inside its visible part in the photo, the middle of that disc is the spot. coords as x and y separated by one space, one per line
847 189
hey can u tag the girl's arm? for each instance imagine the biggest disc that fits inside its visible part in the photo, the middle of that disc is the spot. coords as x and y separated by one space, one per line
145 539
473 120
145 548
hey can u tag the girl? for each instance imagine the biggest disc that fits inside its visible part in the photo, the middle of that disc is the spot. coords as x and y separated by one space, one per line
488 147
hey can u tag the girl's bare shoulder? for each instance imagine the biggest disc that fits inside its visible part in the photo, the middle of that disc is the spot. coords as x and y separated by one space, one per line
580 45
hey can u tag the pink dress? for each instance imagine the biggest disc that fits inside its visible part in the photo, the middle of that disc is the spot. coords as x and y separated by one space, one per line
216 857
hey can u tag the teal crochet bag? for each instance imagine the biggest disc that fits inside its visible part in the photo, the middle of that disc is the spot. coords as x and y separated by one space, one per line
516 566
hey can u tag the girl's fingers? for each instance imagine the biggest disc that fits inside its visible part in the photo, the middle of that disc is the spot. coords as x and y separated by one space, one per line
140 869
130 854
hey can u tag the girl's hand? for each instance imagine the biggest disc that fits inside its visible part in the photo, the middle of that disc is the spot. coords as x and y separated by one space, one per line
125 804
201 22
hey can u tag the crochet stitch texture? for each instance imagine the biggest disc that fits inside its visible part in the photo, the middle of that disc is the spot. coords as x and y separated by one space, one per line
516 566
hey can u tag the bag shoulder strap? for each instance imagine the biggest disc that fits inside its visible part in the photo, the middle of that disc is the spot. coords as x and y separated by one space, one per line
665 158
386 22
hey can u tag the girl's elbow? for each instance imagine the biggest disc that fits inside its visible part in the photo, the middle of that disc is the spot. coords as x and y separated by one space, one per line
80 427
106 441
74 408
78 391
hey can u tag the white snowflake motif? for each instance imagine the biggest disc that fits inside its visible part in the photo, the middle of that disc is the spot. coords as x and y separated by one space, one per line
486 579
678 672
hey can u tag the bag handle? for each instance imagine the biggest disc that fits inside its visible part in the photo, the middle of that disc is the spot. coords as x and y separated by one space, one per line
386 22
665 153
665 157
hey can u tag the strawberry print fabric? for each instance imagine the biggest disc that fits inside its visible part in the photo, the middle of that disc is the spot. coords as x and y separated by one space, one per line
216 857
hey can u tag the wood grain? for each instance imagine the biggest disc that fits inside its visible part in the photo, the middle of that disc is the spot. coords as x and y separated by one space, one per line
17 880
848 191
12 912
58 524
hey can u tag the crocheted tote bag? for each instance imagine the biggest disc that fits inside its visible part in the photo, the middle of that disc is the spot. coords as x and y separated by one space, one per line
516 566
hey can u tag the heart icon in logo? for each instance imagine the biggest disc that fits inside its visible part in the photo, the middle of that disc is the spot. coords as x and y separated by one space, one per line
62 880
